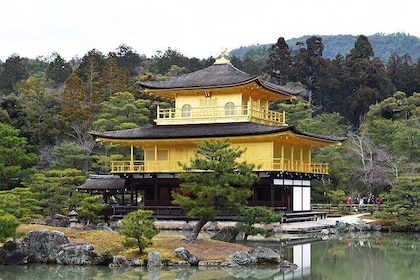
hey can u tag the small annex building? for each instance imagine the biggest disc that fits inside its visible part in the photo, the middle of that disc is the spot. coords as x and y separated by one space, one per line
217 102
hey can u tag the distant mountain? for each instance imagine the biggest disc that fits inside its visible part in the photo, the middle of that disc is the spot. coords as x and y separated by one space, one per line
383 46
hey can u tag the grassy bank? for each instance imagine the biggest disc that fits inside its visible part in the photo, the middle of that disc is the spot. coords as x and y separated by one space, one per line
111 241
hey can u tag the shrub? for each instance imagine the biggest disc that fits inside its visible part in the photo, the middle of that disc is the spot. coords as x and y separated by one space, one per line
257 215
8 226
105 258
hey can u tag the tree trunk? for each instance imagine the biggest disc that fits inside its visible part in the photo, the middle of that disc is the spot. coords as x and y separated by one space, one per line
196 230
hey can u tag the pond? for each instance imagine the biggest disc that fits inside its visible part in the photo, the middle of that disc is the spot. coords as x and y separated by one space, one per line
349 256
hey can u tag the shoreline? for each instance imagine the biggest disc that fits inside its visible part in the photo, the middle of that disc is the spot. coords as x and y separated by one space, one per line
294 227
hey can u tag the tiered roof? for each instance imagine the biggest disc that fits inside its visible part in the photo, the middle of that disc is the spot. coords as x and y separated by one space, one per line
219 75
216 130
216 76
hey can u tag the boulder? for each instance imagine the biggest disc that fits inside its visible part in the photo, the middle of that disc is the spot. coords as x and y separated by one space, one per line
103 226
138 262
227 234
265 255
360 227
44 245
211 226
116 225
187 226
325 231
77 254
58 220
153 259
119 261
376 227
340 226
333 231
287 266
240 259
210 263
185 255
13 253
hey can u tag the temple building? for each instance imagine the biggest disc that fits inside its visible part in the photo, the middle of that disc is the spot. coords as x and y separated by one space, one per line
217 102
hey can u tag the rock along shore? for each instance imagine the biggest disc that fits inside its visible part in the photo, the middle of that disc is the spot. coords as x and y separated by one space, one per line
51 246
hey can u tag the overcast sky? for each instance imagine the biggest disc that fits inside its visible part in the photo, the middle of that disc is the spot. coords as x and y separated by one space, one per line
196 28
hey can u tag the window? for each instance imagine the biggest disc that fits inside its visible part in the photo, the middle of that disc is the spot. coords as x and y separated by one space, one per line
229 109
186 111
245 108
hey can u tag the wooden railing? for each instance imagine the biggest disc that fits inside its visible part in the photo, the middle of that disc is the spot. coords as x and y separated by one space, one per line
292 165
276 164
345 207
177 213
118 211
219 114
127 166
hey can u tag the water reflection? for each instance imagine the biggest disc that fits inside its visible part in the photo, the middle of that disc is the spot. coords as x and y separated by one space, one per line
48 272
349 256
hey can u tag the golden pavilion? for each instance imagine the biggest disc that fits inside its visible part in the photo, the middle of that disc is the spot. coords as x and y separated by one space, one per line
217 102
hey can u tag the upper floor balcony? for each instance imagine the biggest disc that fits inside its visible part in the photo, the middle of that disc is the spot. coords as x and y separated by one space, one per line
219 114
276 164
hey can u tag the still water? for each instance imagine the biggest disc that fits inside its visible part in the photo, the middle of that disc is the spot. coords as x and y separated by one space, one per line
359 257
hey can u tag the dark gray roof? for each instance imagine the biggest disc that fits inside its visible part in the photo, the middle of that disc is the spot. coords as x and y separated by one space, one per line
103 184
201 131
214 76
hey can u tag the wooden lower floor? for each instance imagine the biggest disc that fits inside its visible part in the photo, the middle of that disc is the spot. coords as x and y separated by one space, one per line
287 193
176 213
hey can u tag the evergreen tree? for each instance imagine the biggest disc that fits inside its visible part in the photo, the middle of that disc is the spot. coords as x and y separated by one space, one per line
55 190
279 64
122 111
128 58
74 107
21 203
58 69
212 182
13 71
90 72
365 81
403 199
139 225
15 161
90 208
309 66
362 49
394 125
401 73
113 79
8 226
71 155
251 216
39 107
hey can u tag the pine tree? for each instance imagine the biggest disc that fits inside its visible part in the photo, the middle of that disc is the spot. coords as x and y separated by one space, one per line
250 216
8 226
15 162
139 225
213 182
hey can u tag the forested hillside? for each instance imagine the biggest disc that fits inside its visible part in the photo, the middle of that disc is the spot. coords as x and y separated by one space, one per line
383 46
48 106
